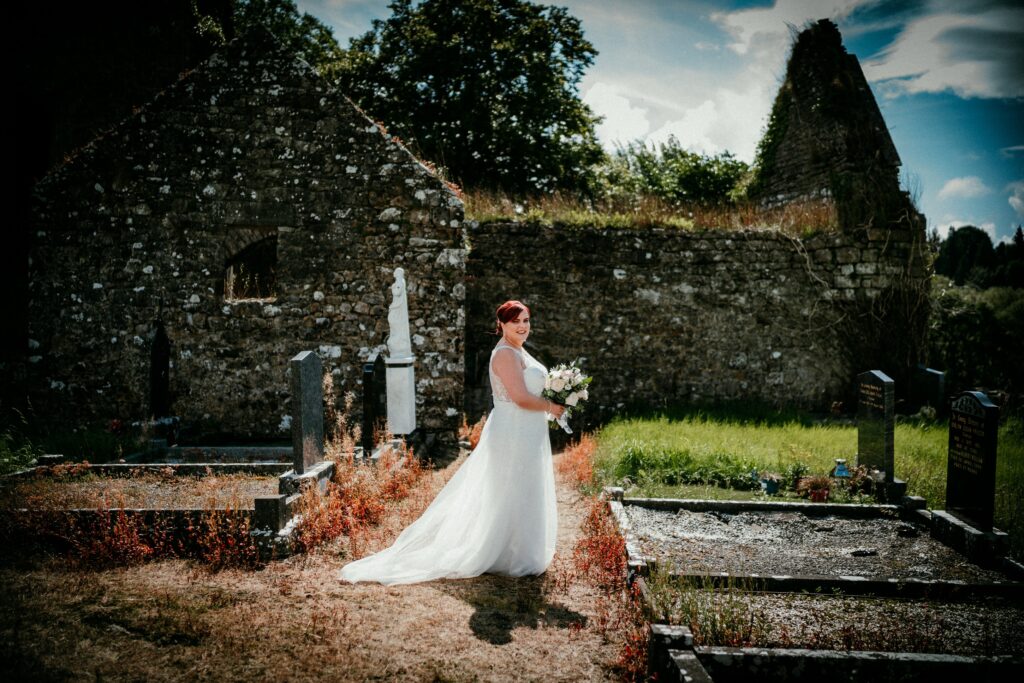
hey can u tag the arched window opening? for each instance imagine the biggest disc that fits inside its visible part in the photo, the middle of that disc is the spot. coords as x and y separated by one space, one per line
249 274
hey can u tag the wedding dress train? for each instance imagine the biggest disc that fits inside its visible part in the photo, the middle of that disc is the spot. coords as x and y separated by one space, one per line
497 514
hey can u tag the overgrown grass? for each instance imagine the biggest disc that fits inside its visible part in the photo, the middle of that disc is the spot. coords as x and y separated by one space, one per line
799 219
680 453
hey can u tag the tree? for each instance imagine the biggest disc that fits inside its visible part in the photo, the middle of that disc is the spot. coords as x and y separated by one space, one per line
487 89
966 255
674 174
306 36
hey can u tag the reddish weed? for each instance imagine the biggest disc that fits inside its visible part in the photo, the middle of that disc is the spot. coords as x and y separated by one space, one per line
577 461
600 557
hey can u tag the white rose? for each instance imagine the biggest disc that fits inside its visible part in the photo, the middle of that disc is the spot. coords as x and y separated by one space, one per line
572 399
547 382
584 395
557 384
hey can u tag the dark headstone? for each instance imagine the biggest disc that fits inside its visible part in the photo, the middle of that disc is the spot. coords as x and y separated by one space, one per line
375 399
971 465
928 388
875 408
307 376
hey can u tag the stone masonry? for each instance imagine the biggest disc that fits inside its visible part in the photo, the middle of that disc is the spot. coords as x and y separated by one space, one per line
251 149
662 315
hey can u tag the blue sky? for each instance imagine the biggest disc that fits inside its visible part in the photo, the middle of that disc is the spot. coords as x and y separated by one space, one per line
948 76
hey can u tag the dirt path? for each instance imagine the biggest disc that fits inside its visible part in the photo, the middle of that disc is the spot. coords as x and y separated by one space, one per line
295 621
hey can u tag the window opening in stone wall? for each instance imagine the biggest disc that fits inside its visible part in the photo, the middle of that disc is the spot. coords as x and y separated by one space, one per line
160 373
249 274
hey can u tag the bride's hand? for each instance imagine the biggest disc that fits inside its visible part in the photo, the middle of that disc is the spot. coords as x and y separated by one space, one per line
555 409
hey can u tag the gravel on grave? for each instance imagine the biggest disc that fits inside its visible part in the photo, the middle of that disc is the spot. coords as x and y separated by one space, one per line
791 543
237 491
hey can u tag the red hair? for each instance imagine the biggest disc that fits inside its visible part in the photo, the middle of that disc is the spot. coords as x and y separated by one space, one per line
508 311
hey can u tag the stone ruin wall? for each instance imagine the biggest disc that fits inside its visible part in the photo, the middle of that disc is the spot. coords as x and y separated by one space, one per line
139 224
665 316
826 137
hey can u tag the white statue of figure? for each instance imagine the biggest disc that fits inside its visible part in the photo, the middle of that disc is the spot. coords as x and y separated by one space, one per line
401 377
399 343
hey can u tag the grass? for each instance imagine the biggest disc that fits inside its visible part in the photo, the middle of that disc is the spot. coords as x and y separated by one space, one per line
709 452
799 219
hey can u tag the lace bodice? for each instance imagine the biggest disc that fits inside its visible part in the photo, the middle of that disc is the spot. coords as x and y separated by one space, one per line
534 373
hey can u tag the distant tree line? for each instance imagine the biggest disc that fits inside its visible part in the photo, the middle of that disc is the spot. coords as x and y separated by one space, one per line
967 256
977 313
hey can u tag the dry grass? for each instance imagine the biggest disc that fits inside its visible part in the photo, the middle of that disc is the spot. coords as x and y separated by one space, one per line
163 490
797 219
294 620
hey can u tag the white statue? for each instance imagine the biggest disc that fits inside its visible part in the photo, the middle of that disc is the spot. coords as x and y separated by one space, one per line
401 377
399 343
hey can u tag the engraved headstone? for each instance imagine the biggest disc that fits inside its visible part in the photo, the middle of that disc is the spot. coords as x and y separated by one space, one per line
307 410
971 464
875 421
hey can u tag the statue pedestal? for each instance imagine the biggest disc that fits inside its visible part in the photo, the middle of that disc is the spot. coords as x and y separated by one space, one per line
401 387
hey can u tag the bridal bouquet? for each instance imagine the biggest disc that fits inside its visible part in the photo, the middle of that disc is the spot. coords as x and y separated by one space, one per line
567 386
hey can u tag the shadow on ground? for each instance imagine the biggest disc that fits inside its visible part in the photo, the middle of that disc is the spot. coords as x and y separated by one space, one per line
504 603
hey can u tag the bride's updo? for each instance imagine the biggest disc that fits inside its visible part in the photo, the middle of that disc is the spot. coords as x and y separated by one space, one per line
507 312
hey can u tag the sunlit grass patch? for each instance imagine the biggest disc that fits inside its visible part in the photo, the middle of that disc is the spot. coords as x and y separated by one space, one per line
710 453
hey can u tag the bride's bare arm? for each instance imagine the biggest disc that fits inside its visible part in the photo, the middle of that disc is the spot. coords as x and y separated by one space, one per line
510 371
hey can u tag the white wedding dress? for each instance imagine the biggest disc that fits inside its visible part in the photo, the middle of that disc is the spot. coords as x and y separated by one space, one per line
497 514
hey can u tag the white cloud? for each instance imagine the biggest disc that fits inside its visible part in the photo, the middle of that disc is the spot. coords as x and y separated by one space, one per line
1016 199
973 54
622 121
1009 152
967 187
729 121
761 27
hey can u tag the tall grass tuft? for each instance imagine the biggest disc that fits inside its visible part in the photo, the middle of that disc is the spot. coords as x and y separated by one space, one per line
716 615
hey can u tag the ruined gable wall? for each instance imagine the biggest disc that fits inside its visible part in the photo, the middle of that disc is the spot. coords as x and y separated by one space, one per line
826 137
139 224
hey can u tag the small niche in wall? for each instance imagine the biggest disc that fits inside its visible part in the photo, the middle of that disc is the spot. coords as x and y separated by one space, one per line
159 372
249 274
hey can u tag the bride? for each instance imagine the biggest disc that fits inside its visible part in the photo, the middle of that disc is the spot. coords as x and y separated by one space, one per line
497 514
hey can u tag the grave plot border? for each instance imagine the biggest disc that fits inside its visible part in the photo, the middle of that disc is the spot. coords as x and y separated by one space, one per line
640 564
673 656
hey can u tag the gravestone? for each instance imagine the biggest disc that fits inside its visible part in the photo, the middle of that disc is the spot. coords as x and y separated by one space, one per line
374 400
971 463
401 374
875 421
928 388
307 411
